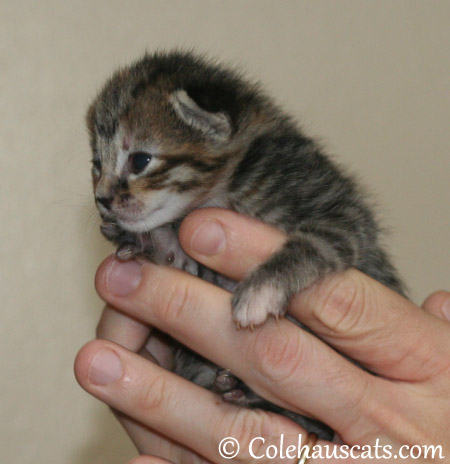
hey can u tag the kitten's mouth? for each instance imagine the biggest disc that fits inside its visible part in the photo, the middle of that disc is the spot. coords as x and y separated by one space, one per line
142 220
134 223
115 230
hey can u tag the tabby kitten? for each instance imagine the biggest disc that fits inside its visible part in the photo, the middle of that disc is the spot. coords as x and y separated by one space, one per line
174 132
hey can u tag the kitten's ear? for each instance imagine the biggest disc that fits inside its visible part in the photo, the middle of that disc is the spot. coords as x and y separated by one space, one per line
214 125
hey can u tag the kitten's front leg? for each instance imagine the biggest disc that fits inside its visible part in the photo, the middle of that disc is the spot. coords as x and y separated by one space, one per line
303 260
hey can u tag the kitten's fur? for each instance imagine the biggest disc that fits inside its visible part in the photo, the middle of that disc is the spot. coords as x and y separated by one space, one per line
174 132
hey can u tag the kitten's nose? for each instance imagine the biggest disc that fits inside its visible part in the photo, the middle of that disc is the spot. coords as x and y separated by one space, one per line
105 201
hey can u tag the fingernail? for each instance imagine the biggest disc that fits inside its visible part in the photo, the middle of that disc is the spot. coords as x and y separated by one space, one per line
105 368
209 239
123 277
446 309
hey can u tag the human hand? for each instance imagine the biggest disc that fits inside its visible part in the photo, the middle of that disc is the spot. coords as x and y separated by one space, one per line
408 403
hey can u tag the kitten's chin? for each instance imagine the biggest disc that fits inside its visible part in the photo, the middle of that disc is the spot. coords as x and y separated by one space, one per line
139 225
169 208
156 218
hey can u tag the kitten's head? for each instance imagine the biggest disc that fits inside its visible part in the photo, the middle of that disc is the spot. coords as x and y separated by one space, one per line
163 131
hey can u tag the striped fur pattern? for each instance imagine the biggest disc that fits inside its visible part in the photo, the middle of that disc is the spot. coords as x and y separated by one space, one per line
174 132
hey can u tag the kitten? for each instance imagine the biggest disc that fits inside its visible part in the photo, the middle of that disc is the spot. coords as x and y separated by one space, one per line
174 132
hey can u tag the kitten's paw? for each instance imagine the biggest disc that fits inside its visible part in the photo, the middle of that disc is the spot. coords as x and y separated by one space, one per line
111 230
127 251
225 381
253 303
245 397
237 397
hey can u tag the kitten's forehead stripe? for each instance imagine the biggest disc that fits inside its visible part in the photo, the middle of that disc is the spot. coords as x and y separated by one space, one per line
106 128
105 122
186 186
197 163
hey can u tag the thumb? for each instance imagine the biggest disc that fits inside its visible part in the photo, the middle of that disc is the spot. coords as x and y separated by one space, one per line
438 303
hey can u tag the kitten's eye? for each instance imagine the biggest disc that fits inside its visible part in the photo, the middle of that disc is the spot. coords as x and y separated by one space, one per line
138 161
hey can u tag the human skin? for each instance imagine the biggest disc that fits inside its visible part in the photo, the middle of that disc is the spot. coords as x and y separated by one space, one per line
408 402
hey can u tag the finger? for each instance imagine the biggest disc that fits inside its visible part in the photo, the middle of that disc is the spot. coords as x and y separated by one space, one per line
148 460
150 442
228 242
352 312
375 326
175 407
279 361
122 329
159 348
133 335
438 303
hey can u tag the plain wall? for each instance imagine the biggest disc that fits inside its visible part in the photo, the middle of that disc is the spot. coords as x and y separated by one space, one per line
369 78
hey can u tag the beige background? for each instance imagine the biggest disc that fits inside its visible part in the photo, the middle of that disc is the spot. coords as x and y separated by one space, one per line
370 78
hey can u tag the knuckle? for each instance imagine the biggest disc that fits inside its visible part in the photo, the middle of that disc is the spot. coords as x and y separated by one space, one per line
255 431
245 426
358 402
152 395
278 353
341 304
173 301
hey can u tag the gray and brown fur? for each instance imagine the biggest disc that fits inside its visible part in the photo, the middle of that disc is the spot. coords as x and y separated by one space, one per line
217 140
